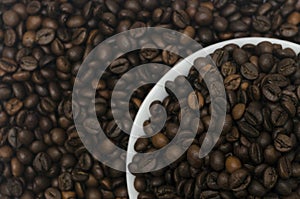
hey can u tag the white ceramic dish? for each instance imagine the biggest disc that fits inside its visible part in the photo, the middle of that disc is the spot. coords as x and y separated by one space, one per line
158 93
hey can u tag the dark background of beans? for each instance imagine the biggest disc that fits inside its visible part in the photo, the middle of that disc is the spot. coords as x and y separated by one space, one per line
43 43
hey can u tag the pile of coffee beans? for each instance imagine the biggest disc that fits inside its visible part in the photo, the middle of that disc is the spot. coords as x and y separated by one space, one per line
42 45
257 154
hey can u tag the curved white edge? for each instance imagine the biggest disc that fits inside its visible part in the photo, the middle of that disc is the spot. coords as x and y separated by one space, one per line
158 92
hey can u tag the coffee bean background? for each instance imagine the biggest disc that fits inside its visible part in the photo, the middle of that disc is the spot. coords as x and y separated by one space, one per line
257 153
42 45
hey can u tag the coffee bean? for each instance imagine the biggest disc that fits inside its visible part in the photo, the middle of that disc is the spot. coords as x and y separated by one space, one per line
256 153
52 193
270 177
232 164
238 111
249 71
272 92
45 36
10 18
277 79
238 26
286 67
15 187
266 62
239 180
180 18
204 16
93 193
170 57
284 167
75 21
283 143
248 130
65 182
240 56
119 66
220 24
256 188
6 152
228 68
261 24
58 136
13 106
159 140
279 116
253 114
195 100
232 82
217 160
8 65
57 47
13 139
288 30
28 63
42 162
193 156
10 37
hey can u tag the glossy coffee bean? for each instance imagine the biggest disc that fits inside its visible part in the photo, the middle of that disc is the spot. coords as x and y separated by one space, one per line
284 168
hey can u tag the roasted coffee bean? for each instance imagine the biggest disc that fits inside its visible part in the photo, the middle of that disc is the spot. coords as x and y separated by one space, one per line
180 18
232 82
65 182
93 193
217 160
79 36
261 24
15 187
45 36
8 65
10 18
119 66
239 180
79 175
256 153
220 24
75 21
288 30
13 106
257 189
238 111
12 138
232 164
271 92
159 140
286 67
193 156
283 143
204 16
266 62
270 177
10 37
52 193
42 162
240 56
170 57
228 68
28 63
279 116
248 130
284 167
249 71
